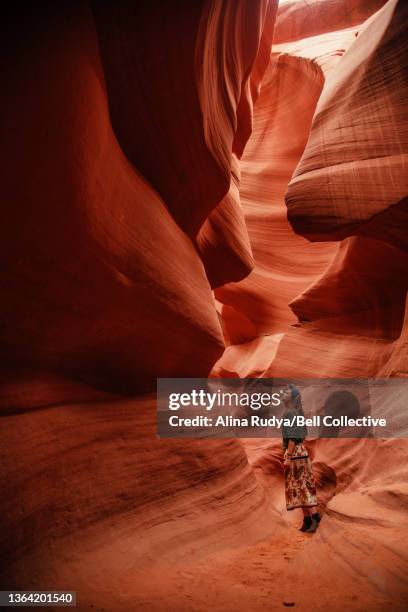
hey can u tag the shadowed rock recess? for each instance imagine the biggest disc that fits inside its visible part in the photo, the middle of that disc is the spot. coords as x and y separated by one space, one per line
194 188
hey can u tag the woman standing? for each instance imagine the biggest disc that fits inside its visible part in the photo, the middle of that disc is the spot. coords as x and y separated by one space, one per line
300 488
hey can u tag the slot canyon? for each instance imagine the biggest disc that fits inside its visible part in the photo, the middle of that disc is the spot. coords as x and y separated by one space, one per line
199 188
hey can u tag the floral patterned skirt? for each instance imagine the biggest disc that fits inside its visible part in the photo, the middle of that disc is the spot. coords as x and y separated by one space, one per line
300 488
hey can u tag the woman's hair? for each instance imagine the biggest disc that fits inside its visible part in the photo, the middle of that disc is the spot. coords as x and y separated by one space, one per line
296 399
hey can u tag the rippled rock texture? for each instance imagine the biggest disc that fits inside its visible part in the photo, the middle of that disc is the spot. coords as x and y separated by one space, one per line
352 179
334 102
123 126
332 97
189 188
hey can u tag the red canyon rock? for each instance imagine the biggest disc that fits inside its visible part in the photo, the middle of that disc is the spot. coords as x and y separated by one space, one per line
299 19
353 322
284 264
364 287
361 297
396 364
201 96
102 286
95 268
178 77
352 177
148 53
224 238
363 498
324 50
362 292
92 495
232 54
124 124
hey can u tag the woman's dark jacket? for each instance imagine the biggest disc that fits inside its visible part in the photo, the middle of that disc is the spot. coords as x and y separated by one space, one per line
295 433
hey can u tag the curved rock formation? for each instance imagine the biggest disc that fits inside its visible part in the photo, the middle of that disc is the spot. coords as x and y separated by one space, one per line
147 153
224 237
232 54
364 499
352 319
354 167
362 294
279 136
360 288
92 494
201 97
147 52
87 280
364 288
300 19
103 290
285 265
198 89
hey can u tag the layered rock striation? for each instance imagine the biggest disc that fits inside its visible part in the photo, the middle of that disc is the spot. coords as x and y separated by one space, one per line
152 154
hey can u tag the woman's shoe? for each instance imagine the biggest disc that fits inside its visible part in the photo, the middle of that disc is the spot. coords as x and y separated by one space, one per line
307 521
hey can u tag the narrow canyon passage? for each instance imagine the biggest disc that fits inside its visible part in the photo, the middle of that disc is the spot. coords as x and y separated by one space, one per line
199 189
